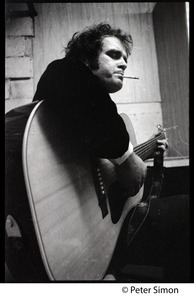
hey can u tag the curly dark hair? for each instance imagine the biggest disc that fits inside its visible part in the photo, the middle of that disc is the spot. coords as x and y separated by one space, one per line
86 45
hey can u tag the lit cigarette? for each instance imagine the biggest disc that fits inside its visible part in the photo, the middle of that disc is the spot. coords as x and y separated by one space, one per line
131 77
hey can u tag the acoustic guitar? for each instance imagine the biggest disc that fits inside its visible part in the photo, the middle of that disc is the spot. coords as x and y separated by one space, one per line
77 205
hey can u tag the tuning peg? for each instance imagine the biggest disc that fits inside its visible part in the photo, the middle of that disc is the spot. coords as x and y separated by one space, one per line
159 127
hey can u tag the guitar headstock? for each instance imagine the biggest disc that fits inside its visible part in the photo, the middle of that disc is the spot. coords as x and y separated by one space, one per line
162 131
161 134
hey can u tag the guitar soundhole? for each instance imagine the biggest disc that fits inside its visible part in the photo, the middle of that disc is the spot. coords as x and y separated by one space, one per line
116 198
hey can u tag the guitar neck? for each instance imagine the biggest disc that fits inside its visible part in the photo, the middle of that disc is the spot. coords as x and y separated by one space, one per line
147 149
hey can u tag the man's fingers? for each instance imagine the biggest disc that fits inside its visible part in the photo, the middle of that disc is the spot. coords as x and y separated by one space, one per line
163 144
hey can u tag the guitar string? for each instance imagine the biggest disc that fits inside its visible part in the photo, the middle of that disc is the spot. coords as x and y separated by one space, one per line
149 141
147 148
146 151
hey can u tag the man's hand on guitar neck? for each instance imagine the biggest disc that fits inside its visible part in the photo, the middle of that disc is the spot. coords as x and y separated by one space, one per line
132 173
163 145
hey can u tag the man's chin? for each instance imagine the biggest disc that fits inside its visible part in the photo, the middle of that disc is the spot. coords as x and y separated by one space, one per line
115 88
112 86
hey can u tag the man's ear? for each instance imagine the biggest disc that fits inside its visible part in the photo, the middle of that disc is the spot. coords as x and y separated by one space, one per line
92 65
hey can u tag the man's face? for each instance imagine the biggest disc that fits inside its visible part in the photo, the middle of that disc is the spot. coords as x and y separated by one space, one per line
112 62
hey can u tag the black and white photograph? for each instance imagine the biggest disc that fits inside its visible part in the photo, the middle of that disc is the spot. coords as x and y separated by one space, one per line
97 186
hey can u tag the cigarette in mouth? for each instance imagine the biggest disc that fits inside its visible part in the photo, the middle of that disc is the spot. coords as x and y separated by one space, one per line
131 77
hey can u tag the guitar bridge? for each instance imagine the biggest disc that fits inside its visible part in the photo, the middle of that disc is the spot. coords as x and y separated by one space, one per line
99 187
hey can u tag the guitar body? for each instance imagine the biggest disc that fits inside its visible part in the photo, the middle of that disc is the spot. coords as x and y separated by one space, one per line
74 217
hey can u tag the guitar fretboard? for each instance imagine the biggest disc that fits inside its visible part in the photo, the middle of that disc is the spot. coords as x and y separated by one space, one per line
147 148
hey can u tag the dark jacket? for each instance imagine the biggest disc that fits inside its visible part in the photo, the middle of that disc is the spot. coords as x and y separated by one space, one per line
80 99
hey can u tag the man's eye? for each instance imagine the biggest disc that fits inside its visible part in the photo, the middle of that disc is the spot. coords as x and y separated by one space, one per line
114 55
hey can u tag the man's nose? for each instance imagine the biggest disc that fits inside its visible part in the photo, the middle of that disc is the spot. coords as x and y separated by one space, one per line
122 63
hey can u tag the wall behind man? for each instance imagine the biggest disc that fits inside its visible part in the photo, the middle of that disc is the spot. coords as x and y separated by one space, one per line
171 37
19 56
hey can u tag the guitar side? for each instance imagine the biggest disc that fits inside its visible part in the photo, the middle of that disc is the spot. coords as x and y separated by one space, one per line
22 253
